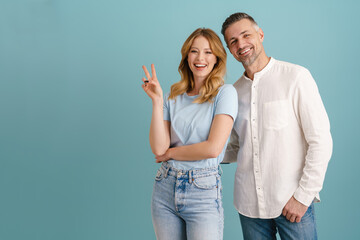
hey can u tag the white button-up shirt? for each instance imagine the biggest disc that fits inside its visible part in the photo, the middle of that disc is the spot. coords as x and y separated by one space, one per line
281 140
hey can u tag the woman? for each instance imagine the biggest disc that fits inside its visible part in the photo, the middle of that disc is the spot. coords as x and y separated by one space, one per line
188 134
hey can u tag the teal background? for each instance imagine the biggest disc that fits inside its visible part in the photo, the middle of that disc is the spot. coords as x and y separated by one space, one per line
75 162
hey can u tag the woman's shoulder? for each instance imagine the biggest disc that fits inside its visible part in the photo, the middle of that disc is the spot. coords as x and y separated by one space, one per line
227 93
175 100
227 86
226 89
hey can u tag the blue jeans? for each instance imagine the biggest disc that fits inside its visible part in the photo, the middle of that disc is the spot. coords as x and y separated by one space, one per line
259 229
187 204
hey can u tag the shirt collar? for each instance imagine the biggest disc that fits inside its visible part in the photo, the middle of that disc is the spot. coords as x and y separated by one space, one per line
263 71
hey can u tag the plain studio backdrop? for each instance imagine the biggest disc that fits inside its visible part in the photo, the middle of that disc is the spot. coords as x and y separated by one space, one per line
75 162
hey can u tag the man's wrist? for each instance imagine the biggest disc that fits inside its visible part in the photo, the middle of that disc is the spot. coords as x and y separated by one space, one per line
303 197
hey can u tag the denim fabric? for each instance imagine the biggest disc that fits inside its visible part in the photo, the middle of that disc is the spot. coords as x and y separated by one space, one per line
261 229
187 204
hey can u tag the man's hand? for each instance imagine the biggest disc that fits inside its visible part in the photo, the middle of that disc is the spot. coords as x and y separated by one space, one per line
294 210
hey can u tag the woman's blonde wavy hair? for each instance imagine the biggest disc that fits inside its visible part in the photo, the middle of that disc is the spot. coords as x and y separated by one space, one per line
215 79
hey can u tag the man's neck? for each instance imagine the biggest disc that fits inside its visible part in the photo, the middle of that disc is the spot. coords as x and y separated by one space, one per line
257 66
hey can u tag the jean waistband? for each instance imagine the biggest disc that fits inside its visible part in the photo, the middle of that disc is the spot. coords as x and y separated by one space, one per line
193 173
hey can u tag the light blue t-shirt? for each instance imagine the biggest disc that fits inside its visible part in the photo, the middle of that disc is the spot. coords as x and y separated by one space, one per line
191 122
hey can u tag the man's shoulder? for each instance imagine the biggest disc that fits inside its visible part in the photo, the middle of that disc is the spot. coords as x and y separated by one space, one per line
238 82
289 67
292 73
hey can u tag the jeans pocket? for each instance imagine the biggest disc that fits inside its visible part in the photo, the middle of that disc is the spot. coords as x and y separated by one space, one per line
208 182
309 212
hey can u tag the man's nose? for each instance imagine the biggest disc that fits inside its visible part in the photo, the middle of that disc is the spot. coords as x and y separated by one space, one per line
240 43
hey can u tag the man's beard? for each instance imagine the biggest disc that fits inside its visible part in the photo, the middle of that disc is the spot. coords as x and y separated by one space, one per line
250 60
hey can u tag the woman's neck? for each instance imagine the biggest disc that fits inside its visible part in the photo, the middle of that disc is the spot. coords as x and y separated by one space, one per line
198 84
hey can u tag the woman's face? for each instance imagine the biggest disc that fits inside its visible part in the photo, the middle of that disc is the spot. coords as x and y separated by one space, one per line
201 60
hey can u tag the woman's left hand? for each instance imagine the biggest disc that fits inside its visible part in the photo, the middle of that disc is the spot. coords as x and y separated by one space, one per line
163 158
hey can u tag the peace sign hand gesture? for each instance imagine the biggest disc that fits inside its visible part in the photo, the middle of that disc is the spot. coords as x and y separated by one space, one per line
151 85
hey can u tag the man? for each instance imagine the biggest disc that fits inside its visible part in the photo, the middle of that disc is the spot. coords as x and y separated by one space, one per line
281 139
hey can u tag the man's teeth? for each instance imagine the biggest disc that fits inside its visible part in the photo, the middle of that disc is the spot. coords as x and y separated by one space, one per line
243 52
200 65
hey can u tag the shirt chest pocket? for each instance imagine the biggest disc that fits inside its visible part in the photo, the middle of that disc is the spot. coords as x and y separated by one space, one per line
275 114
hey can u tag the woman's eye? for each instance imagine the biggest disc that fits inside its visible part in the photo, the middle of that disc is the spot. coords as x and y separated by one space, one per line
208 52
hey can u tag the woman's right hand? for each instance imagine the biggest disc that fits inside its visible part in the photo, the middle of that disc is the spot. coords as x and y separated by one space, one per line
151 85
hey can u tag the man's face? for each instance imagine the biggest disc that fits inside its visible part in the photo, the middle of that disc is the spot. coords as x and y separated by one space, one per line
244 41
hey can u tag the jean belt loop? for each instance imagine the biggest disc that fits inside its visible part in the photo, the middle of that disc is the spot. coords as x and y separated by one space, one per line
190 176
220 170
166 171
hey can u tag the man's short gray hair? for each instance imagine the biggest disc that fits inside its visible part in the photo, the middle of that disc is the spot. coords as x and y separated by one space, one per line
235 18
